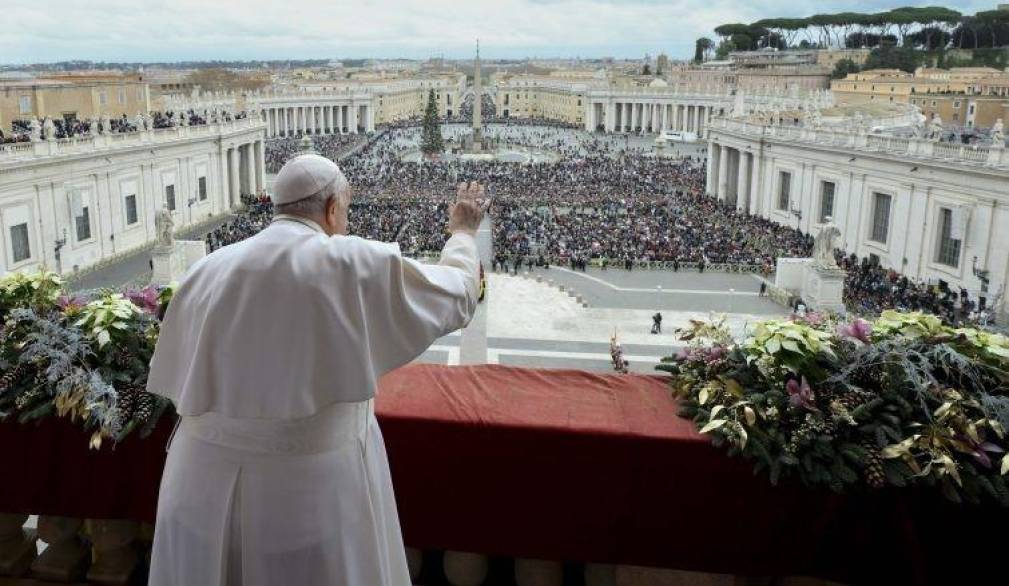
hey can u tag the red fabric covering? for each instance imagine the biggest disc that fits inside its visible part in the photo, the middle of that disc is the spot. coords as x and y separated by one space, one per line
565 465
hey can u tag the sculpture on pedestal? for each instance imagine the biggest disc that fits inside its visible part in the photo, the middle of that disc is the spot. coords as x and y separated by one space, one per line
106 124
165 226
139 122
824 245
935 129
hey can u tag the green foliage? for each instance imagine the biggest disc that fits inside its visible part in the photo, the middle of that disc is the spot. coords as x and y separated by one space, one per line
85 358
701 48
889 57
843 68
901 402
431 141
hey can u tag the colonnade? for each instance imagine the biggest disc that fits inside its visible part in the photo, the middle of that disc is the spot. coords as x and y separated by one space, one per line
301 119
243 171
648 117
731 174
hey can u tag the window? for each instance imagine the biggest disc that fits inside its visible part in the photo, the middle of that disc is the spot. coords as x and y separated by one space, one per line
956 104
82 222
19 242
827 189
948 248
122 96
880 217
202 187
784 189
103 98
25 104
131 209
170 197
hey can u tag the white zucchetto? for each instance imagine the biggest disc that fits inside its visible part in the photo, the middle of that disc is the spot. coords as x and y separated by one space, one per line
304 176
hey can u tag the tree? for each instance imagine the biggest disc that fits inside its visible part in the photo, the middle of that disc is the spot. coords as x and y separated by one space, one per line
724 48
891 57
646 70
843 68
702 48
431 142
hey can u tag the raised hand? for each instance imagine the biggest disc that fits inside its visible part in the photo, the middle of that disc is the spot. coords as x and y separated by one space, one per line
466 213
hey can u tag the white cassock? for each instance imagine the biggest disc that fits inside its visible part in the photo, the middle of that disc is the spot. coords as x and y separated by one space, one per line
270 350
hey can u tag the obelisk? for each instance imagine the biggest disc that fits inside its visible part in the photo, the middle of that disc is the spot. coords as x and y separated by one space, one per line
477 102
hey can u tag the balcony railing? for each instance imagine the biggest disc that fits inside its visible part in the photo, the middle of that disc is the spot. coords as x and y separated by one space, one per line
538 466
21 151
915 148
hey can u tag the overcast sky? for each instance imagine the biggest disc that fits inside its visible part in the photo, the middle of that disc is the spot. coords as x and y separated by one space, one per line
145 30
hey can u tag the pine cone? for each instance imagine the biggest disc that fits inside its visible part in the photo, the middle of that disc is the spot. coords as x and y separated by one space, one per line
854 398
127 403
123 358
145 406
874 475
12 377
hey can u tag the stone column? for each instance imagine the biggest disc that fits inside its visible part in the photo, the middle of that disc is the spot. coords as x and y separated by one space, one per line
234 186
17 545
117 558
250 169
711 185
464 569
66 559
260 148
742 183
530 572
723 173
353 118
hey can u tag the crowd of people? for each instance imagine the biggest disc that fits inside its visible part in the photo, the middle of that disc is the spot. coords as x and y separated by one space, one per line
599 202
331 146
870 289
21 130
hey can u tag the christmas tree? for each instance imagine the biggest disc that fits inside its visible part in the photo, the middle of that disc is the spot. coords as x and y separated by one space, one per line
431 142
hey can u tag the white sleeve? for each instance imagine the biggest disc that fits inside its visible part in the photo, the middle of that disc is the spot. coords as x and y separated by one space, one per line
410 304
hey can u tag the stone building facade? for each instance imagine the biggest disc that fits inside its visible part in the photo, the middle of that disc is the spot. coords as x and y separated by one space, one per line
73 97
933 211
73 203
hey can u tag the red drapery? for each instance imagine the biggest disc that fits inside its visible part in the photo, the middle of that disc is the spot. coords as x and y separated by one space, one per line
567 465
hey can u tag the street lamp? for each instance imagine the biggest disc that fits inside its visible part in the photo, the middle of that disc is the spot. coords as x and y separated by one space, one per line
58 245
982 275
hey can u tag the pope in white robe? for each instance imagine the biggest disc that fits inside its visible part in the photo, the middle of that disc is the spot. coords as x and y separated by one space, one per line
270 351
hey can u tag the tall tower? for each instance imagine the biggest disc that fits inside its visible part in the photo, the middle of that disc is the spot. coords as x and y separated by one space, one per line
477 100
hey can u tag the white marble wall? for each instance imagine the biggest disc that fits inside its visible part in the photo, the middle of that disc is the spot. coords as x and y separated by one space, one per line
40 188
921 179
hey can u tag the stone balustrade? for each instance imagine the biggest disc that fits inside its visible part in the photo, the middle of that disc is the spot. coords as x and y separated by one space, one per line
859 140
20 151
62 550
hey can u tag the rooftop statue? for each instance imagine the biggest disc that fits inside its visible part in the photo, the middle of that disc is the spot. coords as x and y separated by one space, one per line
998 135
35 130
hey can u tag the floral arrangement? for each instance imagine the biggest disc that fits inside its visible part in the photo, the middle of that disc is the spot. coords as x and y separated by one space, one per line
903 400
82 357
